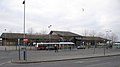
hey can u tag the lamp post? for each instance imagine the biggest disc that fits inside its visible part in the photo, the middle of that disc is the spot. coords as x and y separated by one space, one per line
110 37
94 44
24 52
49 27
106 41
24 18
49 31
5 40
104 47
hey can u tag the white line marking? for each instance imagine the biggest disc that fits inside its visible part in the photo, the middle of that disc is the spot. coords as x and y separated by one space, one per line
98 64
2 57
87 61
4 63
79 62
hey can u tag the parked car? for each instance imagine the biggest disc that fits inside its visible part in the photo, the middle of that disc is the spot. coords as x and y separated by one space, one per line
81 47
50 48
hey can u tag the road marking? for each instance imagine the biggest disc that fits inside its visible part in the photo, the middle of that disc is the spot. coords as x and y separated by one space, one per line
79 62
4 63
2 57
87 61
94 65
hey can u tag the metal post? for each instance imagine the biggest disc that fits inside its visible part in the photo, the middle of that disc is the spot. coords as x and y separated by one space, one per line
24 52
94 48
19 48
49 34
104 49
94 44
112 42
105 42
5 40
24 18
19 53
16 47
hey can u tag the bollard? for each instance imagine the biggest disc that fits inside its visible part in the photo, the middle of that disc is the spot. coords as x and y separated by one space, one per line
19 53
24 55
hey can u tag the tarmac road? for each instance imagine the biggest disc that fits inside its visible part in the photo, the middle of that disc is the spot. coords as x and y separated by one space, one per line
7 56
113 61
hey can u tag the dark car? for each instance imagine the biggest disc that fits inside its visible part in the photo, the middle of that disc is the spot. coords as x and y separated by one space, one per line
81 47
50 48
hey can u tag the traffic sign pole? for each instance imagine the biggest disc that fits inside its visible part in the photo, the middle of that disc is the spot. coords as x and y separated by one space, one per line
25 40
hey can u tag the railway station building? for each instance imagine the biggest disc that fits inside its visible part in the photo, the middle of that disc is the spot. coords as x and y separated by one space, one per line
11 39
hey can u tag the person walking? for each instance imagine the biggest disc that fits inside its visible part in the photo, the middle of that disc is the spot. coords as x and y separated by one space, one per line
55 47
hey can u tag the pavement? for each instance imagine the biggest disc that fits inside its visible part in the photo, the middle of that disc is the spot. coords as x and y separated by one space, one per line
64 55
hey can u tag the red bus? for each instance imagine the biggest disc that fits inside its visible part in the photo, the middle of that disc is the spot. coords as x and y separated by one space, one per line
40 46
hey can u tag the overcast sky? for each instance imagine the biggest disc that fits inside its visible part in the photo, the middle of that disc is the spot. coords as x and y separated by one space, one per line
65 15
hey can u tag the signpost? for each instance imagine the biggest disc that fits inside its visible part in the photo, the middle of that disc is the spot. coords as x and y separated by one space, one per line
25 40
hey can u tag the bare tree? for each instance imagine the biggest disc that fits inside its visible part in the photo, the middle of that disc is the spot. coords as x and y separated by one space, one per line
113 37
85 33
43 31
10 31
37 33
30 31
92 33
101 35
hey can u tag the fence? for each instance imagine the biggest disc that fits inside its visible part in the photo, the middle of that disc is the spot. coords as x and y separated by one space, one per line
16 47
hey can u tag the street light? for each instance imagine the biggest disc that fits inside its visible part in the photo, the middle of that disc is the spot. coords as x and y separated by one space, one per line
49 31
94 44
110 37
49 27
104 47
24 52
106 40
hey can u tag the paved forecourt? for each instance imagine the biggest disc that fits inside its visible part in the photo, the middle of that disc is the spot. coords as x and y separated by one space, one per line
38 56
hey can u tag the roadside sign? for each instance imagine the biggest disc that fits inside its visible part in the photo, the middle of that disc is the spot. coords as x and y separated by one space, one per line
18 41
25 40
